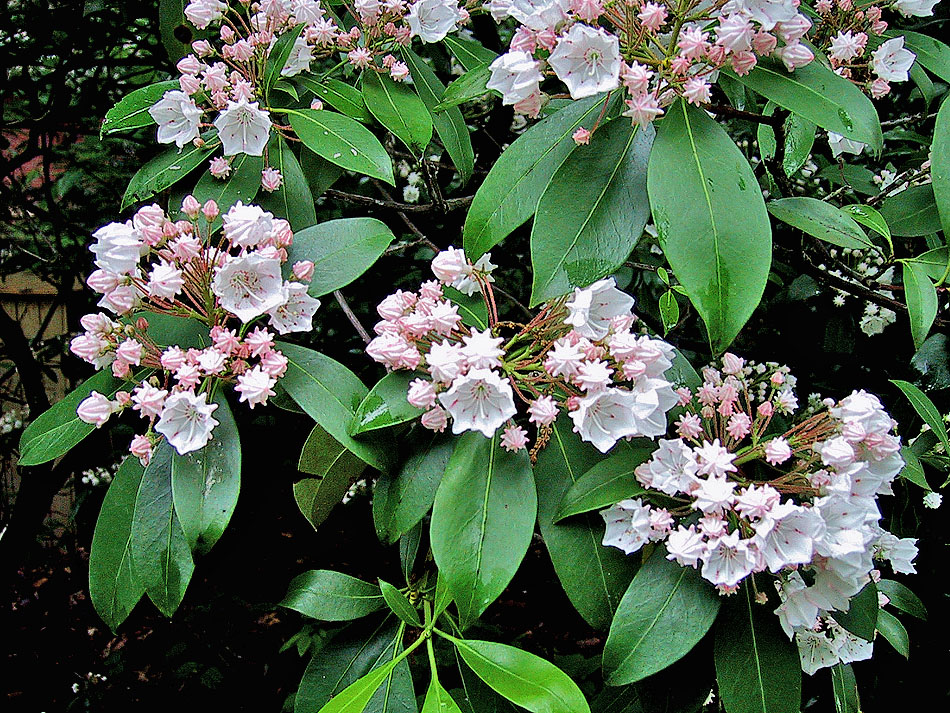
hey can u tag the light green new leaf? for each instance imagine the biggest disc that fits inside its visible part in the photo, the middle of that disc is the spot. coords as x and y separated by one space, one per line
385 405
167 168
712 221
399 605
820 220
113 587
397 107
511 190
921 296
845 689
161 556
607 483
664 613
482 521
343 141
341 250
438 700
293 201
593 211
132 110
332 596
669 310
870 218
925 409
757 667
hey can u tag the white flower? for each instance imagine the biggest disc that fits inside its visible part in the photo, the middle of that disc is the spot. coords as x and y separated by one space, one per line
915 8
445 361
899 551
299 60
118 248
432 20
787 535
728 560
932 500
307 11
735 33
839 145
591 309
686 546
653 400
249 286
186 421
535 14
714 460
766 12
515 75
202 13
296 312
628 525
165 280
815 650
480 400
891 61
243 127
845 46
587 60
714 494
671 470
482 350
604 417
467 283
255 386
247 225
178 118
850 648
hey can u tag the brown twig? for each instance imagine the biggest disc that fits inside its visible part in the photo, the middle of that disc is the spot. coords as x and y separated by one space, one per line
450 204
350 315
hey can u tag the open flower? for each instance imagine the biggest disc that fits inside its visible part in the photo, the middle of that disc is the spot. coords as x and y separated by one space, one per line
480 400
243 127
186 421
178 118
249 286
593 308
587 60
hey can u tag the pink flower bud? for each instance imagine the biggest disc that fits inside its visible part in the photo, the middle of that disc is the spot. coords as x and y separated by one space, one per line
190 206
303 270
141 448
210 210
581 136
103 281
141 324
95 409
227 33
765 409
202 48
435 419
421 393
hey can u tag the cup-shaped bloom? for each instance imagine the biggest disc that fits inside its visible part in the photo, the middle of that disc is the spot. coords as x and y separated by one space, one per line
295 314
587 60
118 248
178 118
480 400
432 20
591 309
604 417
186 421
243 127
249 286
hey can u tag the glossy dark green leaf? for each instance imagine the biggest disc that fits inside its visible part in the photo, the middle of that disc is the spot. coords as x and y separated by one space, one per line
820 220
845 689
408 549
343 141
161 556
861 617
332 596
712 221
870 218
177 33
341 96
335 467
912 213
799 140
664 613
819 95
472 308
933 262
902 598
397 107
206 483
385 405
55 431
399 605
450 124
113 587
341 250
320 173
482 521
593 576
757 667
132 110
605 484
926 409
469 86
293 201
279 54
167 168
511 190
933 54
401 500
593 211
891 629
921 296
523 678
242 185
469 52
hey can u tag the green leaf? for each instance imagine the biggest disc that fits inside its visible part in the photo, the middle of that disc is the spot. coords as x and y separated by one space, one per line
523 678
343 141
472 308
356 697
341 250
819 95
510 192
820 220
940 162
845 689
607 483
335 467
177 33
469 86
397 107
593 576
329 393
932 54
450 124
593 211
293 201
385 405
870 218
408 549
669 310
902 598
891 629
921 296
912 213
443 597
320 173
482 521
132 110
799 140
712 221
438 700
161 557
398 603
113 587
332 596
206 483
167 168
58 429
279 54
666 610
242 185
341 96
400 501
925 409
469 52
933 262
861 617
913 470
757 667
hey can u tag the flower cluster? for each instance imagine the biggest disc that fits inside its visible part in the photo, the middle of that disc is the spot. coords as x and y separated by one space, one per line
578 354
736 493
656 50
225 283
224 79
